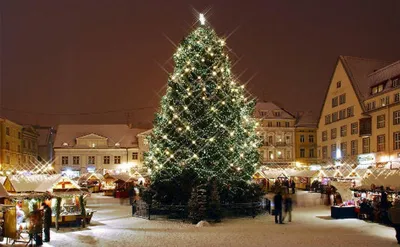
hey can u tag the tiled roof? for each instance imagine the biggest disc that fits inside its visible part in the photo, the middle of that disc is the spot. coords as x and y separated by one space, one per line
358 70
307 119
266 110
115 133
384 75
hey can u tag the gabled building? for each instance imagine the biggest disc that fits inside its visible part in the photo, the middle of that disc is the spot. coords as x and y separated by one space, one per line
109 148
29 147
277 130
348 124
10 145
306 139
45 143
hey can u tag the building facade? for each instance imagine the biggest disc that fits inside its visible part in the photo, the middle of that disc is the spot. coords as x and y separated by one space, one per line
306 140
29 148
277 131
111 148
356 124
10 145
45 143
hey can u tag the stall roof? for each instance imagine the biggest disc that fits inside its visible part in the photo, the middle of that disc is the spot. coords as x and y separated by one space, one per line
302 173
122 176
48 183
388 178
22 183
88 176
3 192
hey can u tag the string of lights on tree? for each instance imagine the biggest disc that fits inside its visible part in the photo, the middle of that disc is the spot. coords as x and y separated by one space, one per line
205 120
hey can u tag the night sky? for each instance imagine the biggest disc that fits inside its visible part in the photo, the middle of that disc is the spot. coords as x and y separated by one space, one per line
95 61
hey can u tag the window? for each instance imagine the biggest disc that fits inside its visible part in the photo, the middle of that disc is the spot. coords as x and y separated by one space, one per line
75 160
343 130
366 145
354 128
324 152
395 82
134 155
338 84
335 102
384 101
7 146
327 119
277 113
278 124
270 155
342 99
350 111
380 121
371 105
396 140
270 140
288 154
287 139
302 153
324 135
91 160
64 160
302 138
311 138
117 159
397 97
269 124
287 124
333 151
312 153
7 131
106 160
19 135
342 114
354 147
377 89
263 113
334 117
343 149
279 155
381 143
333 133
396 117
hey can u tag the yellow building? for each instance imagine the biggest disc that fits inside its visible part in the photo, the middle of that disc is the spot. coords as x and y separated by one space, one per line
306 140
347 129
10 149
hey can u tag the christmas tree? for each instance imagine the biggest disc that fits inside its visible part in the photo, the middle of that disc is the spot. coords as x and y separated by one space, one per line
204 127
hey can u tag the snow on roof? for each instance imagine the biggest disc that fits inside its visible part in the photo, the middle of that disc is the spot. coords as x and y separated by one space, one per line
2 179
88 176
266 110
122 176
48 183
383 76
307 119
358 70
22 183
115 133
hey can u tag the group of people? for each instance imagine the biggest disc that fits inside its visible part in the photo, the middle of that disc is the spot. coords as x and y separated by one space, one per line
39 219
282 203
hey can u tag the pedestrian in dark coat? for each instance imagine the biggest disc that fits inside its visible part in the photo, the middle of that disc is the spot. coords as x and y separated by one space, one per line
278 207
293 186
288 207
46 221
394 217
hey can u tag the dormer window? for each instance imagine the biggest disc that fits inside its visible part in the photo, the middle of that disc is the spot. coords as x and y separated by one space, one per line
65 144
277 113
396 82
377 89
117 144
93 145
263 113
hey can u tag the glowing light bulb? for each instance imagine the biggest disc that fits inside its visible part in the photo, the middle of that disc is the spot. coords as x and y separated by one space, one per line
238 168
188 62
222 70
211 139
171 156
199 77
203 60
231 149
204 98
212 108
202 19
187 127
189 93
167 152
214 73
204 89
223 102
195 156
209 49
222 42
186 70
165 137
179 129
172 108
231 164
175 116
185 107
218 87
241 155
170 122
212 54
233 100
232 133
193 142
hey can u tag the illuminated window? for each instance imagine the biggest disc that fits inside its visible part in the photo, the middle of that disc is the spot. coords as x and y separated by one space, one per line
380 121
343 130
381 143
366 145
396 140
354 147
333 133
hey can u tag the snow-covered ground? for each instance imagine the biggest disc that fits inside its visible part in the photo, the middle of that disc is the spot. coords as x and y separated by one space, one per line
112 225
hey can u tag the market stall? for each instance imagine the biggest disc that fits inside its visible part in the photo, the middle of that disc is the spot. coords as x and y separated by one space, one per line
92 181
303 178
68 201
121 184
343 204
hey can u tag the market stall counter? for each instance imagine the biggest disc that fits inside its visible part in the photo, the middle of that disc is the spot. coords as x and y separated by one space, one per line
343 212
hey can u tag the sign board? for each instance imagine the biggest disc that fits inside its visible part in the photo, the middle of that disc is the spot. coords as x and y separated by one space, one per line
364 159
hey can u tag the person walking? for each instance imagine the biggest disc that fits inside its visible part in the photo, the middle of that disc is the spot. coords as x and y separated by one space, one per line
293 186
288 207
46 221
394 217
278 207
